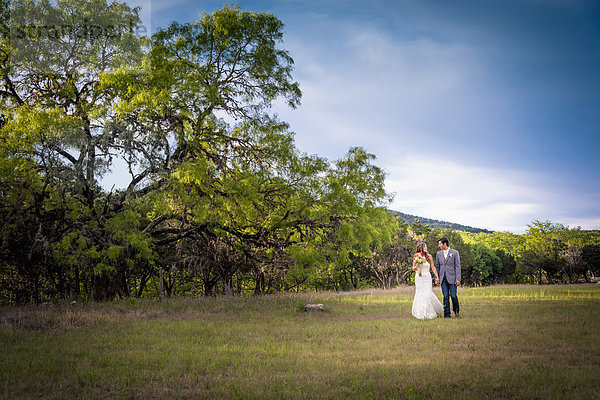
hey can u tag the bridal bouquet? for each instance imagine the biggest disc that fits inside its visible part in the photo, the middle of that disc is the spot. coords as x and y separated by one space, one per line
420 260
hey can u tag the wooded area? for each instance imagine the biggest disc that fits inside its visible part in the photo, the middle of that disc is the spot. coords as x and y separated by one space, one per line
220 200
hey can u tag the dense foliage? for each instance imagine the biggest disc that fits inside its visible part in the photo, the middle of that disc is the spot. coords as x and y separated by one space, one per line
219 198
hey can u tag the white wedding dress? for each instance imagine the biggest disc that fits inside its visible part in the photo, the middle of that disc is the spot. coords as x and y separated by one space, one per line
425 305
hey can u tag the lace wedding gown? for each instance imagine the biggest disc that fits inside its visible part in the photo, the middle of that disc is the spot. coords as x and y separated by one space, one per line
425 305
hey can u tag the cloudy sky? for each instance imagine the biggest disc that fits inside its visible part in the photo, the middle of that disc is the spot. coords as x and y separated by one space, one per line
483 113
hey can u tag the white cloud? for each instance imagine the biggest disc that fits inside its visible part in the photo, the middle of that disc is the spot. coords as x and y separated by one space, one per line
492 198
584 223
449 191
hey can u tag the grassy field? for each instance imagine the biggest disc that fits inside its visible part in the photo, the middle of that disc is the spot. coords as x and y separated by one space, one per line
511 342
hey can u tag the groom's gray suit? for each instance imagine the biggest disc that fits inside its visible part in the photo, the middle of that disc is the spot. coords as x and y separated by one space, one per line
448 267
449 272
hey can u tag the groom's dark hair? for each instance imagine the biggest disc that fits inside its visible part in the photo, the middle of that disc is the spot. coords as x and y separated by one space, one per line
444 240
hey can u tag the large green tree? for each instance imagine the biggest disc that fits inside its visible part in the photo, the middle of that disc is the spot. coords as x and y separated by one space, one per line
542 253
87 90
53 59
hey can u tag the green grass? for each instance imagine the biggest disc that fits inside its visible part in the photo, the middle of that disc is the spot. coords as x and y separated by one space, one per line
535 342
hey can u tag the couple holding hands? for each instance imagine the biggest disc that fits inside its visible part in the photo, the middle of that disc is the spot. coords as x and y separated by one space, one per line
447 261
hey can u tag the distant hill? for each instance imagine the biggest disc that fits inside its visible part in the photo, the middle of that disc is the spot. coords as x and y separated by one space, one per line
434 223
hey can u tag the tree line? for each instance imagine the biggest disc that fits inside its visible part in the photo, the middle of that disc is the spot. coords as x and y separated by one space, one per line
547 253
219 200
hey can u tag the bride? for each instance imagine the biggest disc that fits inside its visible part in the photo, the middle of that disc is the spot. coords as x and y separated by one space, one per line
425 305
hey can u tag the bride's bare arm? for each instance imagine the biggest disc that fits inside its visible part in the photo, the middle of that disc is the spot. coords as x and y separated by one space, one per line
433 267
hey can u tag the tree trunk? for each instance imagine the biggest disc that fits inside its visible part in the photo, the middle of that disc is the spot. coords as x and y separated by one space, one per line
208 284
36 290
77 283
160 278
99 287
269 285
142 287
228 287
238 283
259 284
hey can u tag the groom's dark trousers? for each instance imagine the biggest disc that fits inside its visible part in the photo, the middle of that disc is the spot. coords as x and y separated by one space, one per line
449 290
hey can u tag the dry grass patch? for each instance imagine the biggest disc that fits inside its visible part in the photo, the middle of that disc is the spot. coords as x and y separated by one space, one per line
513 342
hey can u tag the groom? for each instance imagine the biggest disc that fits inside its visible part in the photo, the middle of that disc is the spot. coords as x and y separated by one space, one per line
447 262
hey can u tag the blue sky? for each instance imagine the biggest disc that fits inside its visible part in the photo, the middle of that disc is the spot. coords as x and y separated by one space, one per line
483 113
